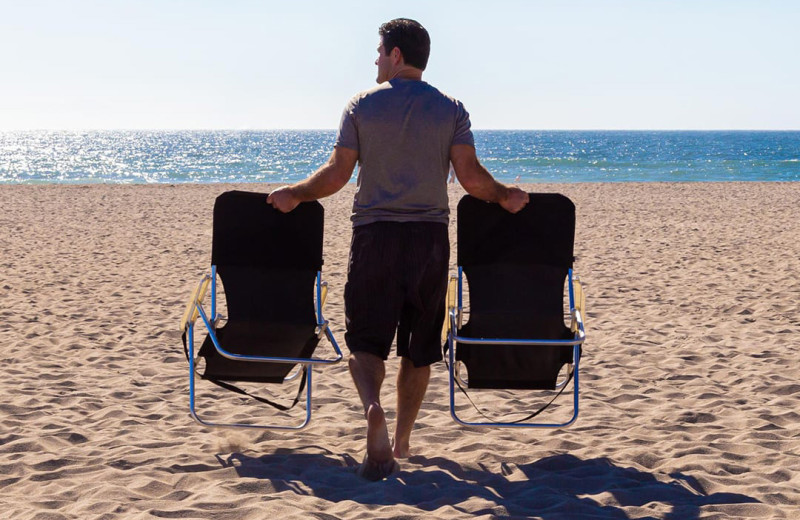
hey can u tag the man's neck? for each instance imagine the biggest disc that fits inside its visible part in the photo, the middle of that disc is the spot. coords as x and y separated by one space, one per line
407 72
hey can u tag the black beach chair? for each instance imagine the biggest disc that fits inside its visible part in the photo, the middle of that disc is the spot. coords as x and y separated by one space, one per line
269 264
515 338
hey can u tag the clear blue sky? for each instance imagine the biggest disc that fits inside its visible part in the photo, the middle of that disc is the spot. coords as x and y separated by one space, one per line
531 64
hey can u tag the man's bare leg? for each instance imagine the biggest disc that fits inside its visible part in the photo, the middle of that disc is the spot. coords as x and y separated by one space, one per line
412 382
368 372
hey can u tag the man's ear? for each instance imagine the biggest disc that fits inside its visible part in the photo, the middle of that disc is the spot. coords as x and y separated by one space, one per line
396 54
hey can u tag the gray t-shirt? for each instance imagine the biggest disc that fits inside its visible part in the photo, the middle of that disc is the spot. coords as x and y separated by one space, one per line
402 130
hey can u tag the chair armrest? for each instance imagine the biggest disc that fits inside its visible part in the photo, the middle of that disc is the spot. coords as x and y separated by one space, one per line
452 287
191 313
324 294
579 310
450 304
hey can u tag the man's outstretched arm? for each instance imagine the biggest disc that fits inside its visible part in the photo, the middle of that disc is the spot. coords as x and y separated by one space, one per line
329 179
479 182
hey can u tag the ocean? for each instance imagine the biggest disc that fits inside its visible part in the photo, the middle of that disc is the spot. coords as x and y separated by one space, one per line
283 156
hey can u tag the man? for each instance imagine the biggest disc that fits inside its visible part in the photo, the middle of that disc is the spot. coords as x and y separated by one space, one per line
404 134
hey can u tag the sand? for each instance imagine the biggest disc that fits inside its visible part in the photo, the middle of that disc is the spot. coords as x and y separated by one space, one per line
690 388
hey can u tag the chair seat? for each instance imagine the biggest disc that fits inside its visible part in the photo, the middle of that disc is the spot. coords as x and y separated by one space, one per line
513 367
515 301
287 340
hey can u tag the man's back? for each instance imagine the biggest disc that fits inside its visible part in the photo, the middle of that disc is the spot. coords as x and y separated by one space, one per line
403 131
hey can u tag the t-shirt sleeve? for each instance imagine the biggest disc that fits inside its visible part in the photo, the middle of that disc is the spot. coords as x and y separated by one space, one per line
463 133
347 136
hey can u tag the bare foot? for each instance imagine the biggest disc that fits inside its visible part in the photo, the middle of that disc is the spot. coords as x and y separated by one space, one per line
374 471
401 450
379 461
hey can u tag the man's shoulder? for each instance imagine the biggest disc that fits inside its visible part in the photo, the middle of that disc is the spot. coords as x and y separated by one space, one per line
359 97
439 92
381 87
402 88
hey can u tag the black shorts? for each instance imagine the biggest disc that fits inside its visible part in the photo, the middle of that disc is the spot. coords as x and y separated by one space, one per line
397 283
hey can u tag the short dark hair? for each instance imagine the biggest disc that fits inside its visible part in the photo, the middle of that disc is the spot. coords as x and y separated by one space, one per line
410 37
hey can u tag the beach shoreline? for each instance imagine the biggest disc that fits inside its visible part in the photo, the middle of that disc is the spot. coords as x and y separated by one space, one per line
689 392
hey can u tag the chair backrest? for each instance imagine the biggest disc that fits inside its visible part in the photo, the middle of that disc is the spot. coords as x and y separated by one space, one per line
516 266
542 233
267 260
250 232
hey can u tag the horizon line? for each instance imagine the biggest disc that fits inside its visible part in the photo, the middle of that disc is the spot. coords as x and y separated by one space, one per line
176 129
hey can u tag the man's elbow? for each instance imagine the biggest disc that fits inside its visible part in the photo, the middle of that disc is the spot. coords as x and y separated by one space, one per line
483 187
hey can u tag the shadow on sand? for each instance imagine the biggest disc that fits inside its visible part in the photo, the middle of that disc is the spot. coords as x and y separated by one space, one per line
549 488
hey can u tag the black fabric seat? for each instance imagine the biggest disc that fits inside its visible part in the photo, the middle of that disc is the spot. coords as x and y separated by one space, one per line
257 339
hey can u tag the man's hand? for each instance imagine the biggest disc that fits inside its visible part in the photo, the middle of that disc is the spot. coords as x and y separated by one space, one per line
515 200
283 199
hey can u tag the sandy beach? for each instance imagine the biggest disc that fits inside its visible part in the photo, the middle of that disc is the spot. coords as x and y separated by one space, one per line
690 394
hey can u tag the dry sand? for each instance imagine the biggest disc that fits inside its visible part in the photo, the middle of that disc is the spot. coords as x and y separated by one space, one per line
690 391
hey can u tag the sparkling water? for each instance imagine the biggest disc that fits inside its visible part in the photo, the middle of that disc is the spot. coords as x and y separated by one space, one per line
283 156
